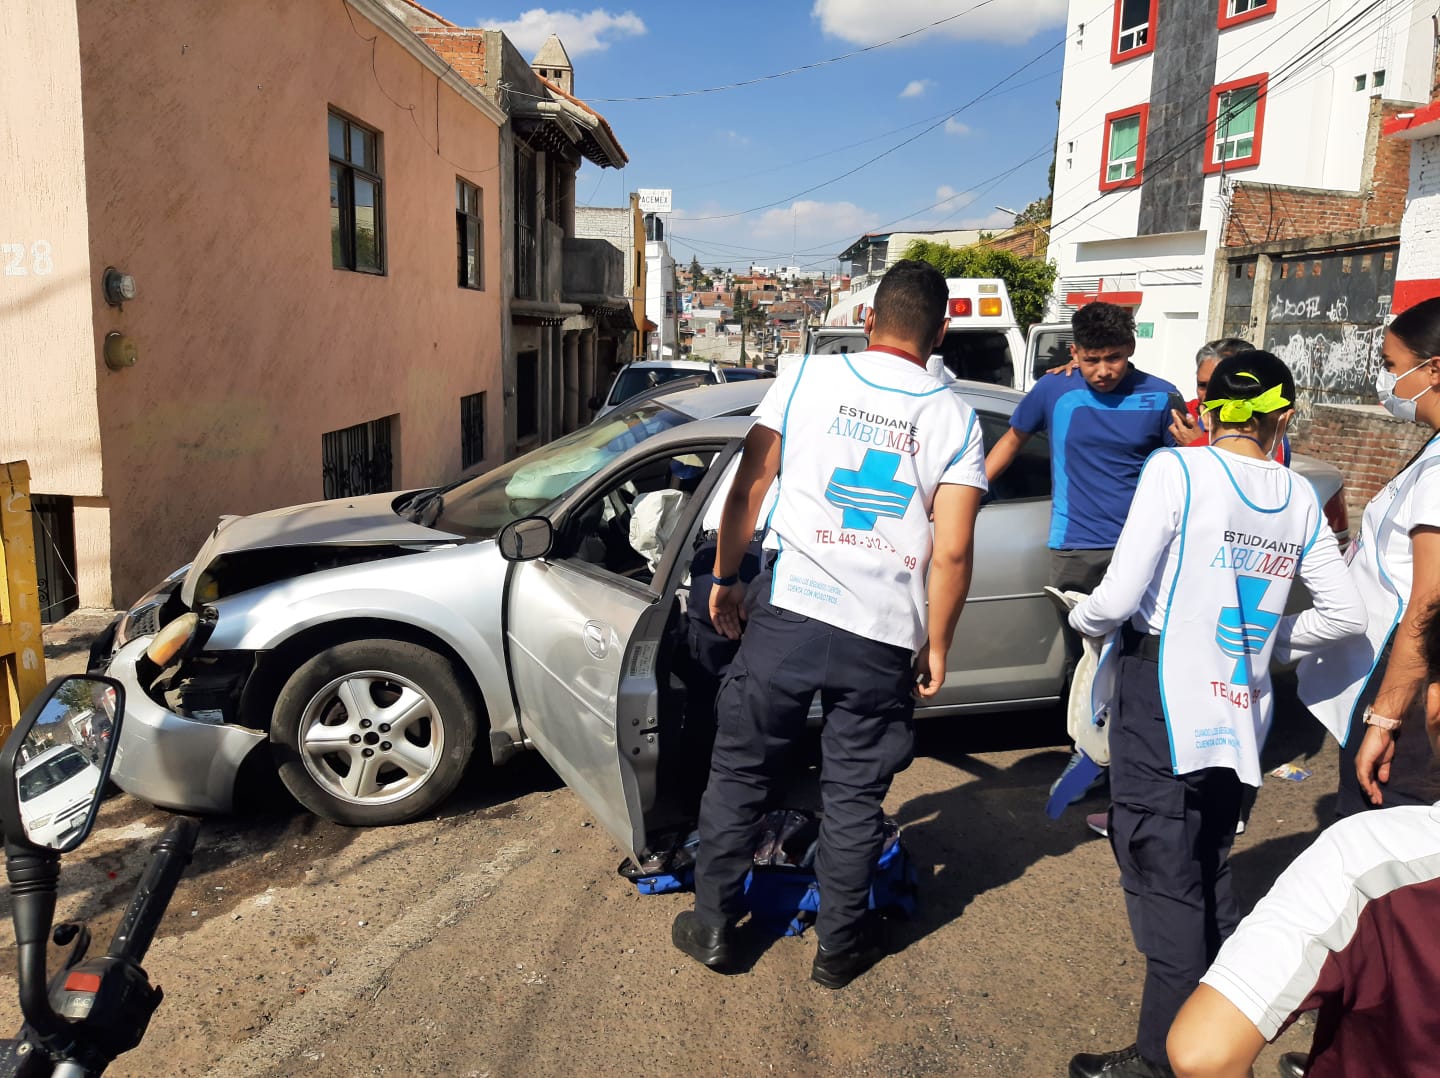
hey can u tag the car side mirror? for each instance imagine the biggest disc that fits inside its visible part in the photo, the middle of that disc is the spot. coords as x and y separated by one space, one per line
56 762
526 539
594 404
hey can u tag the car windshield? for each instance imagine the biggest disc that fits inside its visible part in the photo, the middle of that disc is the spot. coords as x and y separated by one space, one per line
526 485
744 374
50 774
634 380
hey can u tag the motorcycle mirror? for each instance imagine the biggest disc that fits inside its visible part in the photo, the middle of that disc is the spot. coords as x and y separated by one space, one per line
55 763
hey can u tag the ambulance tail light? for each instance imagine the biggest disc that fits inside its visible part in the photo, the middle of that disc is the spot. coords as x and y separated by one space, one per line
961 308
990 307
1338 516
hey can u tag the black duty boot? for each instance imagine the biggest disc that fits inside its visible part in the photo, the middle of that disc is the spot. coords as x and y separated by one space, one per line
711 947
1126 1063
837 968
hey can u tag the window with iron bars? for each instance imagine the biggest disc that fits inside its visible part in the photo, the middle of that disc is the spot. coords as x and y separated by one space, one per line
358 460
472 429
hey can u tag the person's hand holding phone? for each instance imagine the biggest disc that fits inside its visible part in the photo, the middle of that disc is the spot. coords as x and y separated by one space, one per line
1183 426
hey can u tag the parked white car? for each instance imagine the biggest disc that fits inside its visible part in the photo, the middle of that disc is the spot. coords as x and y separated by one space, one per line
57 789
638 377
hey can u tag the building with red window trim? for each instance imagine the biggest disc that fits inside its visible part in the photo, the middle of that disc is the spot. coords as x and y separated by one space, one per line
1167 105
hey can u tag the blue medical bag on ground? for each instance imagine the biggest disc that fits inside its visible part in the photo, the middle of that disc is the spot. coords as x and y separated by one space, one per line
785 897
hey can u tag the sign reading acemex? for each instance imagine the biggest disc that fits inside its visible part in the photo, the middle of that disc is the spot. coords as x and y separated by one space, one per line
654 199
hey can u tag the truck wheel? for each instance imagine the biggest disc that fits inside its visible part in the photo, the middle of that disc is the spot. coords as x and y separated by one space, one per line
373 732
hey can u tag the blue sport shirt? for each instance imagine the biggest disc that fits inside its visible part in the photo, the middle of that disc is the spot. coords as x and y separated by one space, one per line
1098 444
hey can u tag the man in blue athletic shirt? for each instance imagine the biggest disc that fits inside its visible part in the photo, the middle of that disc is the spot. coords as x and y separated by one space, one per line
1102 426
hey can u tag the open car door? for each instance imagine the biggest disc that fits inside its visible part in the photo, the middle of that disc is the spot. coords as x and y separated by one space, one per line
1047 347
591 628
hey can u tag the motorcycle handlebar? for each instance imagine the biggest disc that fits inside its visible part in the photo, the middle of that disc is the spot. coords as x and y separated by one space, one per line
167 864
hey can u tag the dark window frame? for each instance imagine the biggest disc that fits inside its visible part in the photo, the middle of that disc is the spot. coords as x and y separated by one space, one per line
470 216
472 430
343 173
1143 113
1117 55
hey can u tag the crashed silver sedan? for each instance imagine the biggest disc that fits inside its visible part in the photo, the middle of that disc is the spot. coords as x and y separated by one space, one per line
367 648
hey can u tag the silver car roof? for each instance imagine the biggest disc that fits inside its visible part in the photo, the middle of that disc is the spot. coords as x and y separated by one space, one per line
740 398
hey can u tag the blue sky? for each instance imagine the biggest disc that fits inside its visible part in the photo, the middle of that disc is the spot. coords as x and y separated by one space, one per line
733 151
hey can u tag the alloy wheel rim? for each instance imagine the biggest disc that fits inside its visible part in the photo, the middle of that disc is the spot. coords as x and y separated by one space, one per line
371 737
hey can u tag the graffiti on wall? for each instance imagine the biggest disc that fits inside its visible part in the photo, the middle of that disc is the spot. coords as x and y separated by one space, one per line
1326 319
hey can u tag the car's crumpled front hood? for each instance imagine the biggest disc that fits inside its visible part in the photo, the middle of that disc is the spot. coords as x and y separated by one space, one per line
369 520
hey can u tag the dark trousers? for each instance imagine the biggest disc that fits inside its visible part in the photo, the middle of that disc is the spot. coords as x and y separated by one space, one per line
864 687
1171 835
1082 571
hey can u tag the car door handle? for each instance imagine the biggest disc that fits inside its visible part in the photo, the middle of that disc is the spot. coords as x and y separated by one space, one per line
597 639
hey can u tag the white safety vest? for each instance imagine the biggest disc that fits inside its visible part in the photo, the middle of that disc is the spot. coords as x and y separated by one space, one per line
1382 567
866 439
1208 555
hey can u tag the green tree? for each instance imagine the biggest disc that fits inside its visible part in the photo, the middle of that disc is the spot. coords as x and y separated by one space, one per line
1029 281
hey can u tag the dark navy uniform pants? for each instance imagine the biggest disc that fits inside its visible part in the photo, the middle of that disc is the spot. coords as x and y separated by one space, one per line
1171 835
864 687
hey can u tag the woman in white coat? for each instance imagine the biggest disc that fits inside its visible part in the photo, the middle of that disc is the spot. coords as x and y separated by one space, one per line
1363 689
1197 587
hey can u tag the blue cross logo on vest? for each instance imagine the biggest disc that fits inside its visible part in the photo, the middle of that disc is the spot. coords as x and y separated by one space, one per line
1243 629
870 491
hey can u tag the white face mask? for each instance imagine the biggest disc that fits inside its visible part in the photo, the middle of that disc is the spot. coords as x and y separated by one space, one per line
1400 407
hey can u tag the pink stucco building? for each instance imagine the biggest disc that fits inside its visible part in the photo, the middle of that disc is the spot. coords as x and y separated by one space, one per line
304 199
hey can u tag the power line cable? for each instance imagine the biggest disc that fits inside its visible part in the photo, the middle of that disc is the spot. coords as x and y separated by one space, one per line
1315 47
853 145
1289 69
885 153
813 65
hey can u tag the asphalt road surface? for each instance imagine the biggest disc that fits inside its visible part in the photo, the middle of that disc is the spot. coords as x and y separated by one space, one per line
496 938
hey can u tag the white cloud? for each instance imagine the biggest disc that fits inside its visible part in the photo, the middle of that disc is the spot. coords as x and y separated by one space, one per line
916 87
950 198
865 22
579 31
814 231
737 138
955 127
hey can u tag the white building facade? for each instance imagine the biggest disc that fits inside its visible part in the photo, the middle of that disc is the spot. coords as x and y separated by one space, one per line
1166 102
662 302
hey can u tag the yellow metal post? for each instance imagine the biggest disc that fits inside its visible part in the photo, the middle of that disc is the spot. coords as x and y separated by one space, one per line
22 650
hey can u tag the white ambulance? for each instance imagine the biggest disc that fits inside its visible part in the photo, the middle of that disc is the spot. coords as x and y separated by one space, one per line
983 343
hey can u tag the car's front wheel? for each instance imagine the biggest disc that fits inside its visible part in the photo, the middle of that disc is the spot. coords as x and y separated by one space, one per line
373 732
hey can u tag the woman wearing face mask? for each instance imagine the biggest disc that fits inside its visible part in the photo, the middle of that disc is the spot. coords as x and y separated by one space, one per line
1355 688
1197 587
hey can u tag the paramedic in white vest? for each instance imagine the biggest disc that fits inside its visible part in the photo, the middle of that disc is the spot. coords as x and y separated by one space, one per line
1360 689
1197 588
857 606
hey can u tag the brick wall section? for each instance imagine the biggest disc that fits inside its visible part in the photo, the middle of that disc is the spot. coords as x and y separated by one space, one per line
1024 241
461 47
1367 445
1267 212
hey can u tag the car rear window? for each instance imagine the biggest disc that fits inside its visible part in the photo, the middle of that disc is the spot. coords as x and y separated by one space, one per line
980 355
635 380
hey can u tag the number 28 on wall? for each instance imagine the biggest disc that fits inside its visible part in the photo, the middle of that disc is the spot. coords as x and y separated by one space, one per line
18 260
